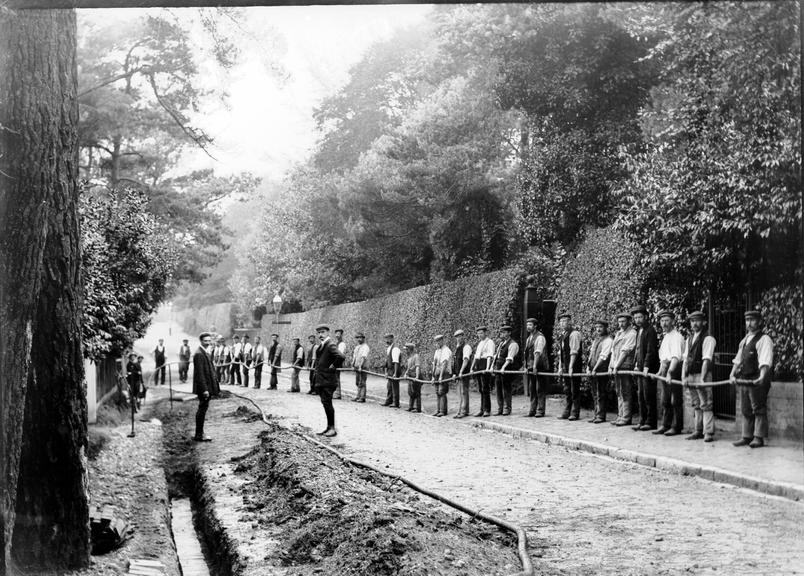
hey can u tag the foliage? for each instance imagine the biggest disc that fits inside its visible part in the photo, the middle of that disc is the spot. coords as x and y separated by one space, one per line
782 307
418 314
714 200
126 269
600 280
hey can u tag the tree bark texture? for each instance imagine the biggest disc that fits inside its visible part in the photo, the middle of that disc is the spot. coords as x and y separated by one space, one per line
39 255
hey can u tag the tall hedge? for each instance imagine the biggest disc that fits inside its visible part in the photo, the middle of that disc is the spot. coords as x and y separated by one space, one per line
600 280
417 315
782 309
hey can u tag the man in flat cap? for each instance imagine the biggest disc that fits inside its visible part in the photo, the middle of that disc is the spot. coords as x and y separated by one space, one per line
342 348
570 363
392 370
699 353
598 363
297 354
461 361
535 361
754 361
507 361
248 358
442 372
646 361
622 358
185 355
671 355
236 361
312 351
413 372
205 383
260 353
360 364
483 362
275 359
328 361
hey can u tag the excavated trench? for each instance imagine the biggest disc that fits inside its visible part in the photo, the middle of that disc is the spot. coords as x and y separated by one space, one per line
264 501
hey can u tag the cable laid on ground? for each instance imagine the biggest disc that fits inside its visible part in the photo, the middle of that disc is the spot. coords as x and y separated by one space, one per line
522 539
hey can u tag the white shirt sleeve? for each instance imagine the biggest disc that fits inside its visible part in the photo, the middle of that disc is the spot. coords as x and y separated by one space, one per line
540 343
765 351
513 350
395 354
708 348
605 348
575 342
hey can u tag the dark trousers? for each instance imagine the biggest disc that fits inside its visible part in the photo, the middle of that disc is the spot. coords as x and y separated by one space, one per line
222 373
624 383
672 406
360 383
325 393
484 382
537 391
274 380
442 389
392 393
160 373
245 375
572 396
754 408
200 415
234 373
258 375
312 382
505 384
463 396
337 394
600 388
646 397
184 367
414 395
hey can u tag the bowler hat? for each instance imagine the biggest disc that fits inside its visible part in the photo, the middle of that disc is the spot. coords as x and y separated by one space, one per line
697 315
668 313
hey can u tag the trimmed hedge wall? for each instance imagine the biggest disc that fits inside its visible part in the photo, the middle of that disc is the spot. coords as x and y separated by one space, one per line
599 281
782 309
416 315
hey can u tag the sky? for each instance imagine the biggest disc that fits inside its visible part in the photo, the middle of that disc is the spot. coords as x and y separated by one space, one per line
266 125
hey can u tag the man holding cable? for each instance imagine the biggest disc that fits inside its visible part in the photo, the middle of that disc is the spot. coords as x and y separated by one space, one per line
442 370
461 361
699 352
483 362
671 353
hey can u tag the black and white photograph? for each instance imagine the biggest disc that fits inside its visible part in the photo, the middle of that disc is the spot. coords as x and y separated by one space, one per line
313 288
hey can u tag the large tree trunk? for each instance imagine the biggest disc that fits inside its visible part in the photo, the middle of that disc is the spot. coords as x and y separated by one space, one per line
37 193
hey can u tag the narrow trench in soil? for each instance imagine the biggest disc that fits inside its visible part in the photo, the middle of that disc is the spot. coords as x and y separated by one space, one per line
189 546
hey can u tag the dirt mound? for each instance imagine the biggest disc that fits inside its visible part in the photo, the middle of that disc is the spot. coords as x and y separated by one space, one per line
337 519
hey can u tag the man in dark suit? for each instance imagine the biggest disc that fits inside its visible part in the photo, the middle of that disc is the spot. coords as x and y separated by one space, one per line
159 362
205 383
646 360
328 360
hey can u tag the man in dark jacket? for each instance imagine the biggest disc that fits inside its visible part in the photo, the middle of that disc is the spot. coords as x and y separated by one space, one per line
646 360
328 360
205 383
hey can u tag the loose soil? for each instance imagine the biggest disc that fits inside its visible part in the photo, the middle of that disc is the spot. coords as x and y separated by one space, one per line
307 512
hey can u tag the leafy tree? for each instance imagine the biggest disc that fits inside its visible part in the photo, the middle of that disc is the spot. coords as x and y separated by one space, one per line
127 269
714 200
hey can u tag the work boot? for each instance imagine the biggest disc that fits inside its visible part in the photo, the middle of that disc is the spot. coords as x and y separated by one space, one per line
672 432
694 436
659 431
479 414
564 416
573 418
330 433
742 442
709 438
757 442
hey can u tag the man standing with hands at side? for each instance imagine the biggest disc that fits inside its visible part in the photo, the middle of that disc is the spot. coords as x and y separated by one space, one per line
646 360
359 360
185 355
328 360
570 363
159 361
483 362
205 383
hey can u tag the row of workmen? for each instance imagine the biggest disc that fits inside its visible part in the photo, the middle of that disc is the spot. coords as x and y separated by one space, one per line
608 362
610 359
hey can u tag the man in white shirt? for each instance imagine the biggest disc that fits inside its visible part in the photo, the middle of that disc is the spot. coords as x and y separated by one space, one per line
623 354
297 358
442 370
754 361
483 362
506 360
570 363
236 360
360 363
671 355
392 369
598 363
248 351
342 349
461 362
699 352
259 355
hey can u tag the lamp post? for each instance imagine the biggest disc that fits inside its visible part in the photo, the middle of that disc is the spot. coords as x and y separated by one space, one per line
277 304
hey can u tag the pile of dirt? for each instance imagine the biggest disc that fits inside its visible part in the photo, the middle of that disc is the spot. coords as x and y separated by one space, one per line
334 518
